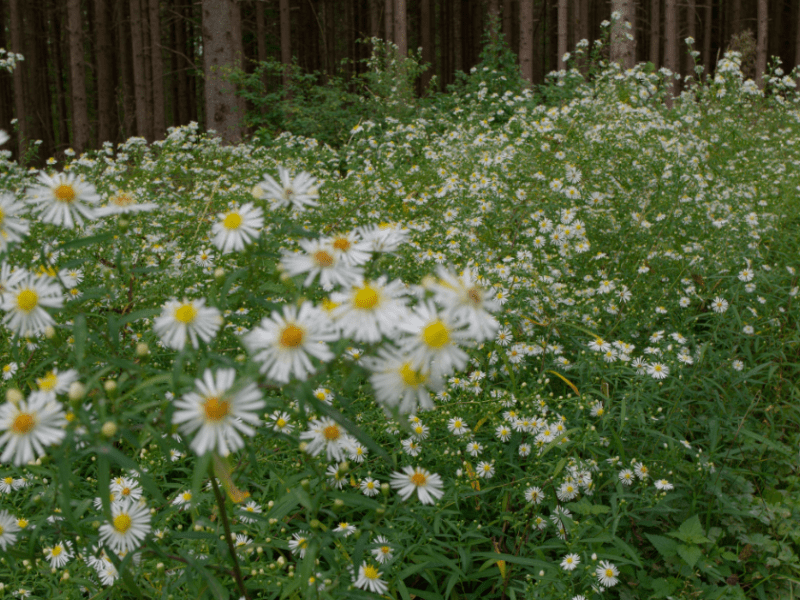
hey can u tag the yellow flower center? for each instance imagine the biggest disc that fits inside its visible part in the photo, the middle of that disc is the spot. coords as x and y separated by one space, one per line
22 524
56 551
8 480
215 409
436 334
457 424
23 423
122 523
340 243
419 479
1 215
1 530
292 336
331 432
475 296
123 199
609 573
232 221
323 259
65 193
186 314
27 300
385 549
187 496
371 572
366 298
48 382
126 491
281 423
411 377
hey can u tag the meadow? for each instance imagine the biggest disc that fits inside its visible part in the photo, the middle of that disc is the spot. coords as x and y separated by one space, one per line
493 347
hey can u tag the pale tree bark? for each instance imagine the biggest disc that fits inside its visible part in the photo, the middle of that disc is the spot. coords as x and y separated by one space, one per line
19 84
388 20
400 31
144 123
623 43
761 42
691 30
157 87
286 41
563 32
493 12
671 45
526 40
80 110
218 57
655 31
105 73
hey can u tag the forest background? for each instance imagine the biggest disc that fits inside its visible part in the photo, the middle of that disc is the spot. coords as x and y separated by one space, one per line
98 71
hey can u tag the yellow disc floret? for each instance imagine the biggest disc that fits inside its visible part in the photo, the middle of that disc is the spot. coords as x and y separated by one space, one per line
232 221
436 335
366 298
23 423
215 409
292 336
186 313
65 193
27 300
122 522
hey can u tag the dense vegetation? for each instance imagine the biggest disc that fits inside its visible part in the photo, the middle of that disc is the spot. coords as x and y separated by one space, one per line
625 421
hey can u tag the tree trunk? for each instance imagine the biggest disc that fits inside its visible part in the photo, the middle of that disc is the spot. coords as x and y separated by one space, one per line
159 119
56 59
144 123
493 13
623 42
526 40
388 20
106 118
736 16
655 31
707 24
508 22
761 43
671 45
563 33
125 68
400 32
691 30
458 37
286 42
427 41
374 18
80 111
218 54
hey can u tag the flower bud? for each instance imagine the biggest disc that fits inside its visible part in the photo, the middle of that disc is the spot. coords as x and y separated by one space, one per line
14 396
109 429
77 391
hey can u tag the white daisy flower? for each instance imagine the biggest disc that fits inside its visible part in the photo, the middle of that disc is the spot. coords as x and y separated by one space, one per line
58 554
299 544
370 487
534 495
570 562
29 426
326 434
369 578
397 383
370 310
219 413
607 574
64 200
383 237
467 302
8 529
350 248
431 339
24 300
12 228
124 203
129 525
284 344
126 487
485 470
297 193
54 383
320 258
383 553
457 426
4 137
237 228
190 318
427 485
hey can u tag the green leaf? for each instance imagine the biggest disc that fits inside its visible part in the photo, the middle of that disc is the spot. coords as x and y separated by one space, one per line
690 554
584 507
690 531
85 241
79 334
661 588
665 546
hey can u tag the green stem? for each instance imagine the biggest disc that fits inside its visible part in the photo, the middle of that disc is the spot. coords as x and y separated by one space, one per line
237 573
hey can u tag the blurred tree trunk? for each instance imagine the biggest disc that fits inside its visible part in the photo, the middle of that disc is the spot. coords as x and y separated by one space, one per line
736 16
508 22
374 18
707 24
388 20
691 31
671 45
219 50
157 72
106 86
80 112
526 40
426 31
623 41
655 31
761 42
144 123
563 33
493 13
125 68
400 32
458 37
286 41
